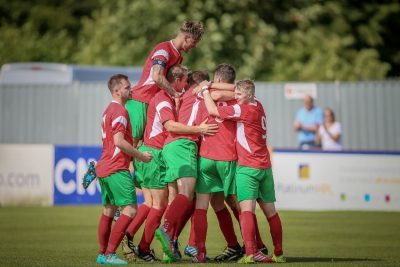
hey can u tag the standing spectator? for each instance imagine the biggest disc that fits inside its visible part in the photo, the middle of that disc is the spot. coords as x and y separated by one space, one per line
330 133
117 189
308 119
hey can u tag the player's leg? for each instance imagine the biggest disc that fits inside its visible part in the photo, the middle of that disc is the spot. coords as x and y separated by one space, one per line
181 161
233 250
266 202
160 201
104 230
141 215
122 193
248 185
200 225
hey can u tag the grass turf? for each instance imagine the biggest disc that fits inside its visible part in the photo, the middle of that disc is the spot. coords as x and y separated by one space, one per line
67 236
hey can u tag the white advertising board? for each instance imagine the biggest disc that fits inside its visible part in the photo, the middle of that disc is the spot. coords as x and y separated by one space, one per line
337 181
26 174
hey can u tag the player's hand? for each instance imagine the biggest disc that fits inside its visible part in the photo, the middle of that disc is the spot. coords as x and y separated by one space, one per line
208 129
145 156
201 85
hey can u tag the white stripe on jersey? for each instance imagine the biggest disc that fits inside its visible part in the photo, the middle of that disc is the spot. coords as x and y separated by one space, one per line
237 110
161 52
193 115
157 126
120 119
149 79
116 151
241 137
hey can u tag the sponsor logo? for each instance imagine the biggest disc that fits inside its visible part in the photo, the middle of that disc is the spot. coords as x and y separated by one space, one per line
19 179
304 171
70 164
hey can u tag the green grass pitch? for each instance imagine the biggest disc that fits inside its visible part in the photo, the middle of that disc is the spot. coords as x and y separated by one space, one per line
67 236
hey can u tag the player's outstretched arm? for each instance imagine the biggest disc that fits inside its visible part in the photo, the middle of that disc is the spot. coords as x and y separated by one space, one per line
160 79
223 86
127 148
180 128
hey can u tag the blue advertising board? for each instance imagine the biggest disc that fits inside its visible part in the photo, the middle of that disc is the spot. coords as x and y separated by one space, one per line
70 164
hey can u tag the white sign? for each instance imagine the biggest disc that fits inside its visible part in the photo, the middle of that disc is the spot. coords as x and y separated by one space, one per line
337 181
299 90
26 174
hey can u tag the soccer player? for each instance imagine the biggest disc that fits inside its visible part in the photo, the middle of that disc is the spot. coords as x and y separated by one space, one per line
254 177
216 174
117 189
163 56
161 118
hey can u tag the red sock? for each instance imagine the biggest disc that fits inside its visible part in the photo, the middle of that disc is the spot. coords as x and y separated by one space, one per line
192 236
188 214
118 233
249 232
140 217
103 232
177 209
275 228
259 241
152 223
200 228
226 226
236 213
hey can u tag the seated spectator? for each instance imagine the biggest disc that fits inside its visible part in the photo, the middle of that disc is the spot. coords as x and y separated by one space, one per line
330 133
308 119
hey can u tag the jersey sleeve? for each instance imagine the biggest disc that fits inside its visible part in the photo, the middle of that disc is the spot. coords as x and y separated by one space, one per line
165 111
235 112
160 56
119 122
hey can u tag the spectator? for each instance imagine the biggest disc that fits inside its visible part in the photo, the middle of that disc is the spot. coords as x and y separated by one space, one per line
330 133
308 120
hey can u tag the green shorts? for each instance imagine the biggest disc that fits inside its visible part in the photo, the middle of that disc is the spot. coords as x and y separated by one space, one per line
118 189
153 172
181 159
137 114
252 183
216 176
138 168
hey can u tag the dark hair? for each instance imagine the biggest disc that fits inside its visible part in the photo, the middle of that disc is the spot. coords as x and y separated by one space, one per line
197 76
226 72
115 80
193 28
331 113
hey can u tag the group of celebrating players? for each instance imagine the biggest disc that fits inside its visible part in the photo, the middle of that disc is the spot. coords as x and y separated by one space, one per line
194 142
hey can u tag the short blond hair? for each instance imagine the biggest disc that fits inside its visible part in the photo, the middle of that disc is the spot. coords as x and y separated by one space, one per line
193 28
246 86
177 72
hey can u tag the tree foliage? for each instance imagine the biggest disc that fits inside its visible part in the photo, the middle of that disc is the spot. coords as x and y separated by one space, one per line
302 40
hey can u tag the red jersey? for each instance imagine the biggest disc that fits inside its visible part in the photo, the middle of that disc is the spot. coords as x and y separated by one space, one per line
222 145
161 109
164 54
251 133
112 160
187 114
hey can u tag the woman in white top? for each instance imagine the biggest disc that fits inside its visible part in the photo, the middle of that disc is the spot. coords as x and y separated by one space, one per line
330 132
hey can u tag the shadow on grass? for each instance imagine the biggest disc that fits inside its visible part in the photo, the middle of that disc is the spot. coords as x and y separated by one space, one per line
320 259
